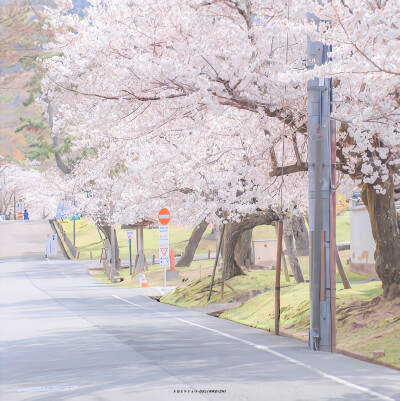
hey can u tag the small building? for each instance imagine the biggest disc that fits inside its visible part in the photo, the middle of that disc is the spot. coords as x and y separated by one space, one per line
362 244
264 252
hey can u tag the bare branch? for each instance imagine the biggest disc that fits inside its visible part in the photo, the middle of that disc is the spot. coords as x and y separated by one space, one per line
285 170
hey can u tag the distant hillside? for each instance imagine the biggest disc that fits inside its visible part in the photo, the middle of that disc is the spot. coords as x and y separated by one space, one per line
22 123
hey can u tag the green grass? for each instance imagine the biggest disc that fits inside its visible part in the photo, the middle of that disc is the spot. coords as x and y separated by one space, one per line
255 280
362 326
155 275
88 239
342 229
196 293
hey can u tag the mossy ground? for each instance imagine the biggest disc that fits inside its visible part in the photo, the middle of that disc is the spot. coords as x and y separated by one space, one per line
363 324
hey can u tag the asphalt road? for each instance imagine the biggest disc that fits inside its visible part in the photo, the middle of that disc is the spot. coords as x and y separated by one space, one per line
66 337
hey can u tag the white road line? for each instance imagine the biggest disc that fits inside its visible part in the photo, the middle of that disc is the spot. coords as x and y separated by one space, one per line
276 353
131 303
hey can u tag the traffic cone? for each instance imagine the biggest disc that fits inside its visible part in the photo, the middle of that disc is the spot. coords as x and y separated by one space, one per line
143 280
172 255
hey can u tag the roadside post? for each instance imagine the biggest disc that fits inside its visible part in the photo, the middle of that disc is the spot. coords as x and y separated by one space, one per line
163 241
278 278
53 244
322 186
20 209
48 243
74 232
74 218
129 236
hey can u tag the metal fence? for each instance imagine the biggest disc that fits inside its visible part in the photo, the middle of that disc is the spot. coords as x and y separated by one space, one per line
67 241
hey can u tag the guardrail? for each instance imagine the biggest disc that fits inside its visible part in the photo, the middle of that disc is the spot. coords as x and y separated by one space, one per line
66 240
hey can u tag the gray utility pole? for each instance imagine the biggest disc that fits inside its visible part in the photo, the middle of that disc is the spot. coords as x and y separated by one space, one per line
321 176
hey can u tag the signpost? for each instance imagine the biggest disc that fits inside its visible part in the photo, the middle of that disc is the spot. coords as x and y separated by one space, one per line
163 241
48 250
129 236
164 216
20 208
74 218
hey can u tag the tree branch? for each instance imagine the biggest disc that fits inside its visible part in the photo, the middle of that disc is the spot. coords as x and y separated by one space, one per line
285 170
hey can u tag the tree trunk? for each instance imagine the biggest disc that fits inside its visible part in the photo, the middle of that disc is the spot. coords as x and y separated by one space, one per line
192 245
243 248
106 230
300 233
213 236
220 239
289 238
233 230
383 217
59 161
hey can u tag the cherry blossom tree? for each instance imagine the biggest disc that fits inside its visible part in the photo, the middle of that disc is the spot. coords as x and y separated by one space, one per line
40 192
203 102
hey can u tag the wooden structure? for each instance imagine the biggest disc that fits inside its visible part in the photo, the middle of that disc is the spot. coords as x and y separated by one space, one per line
140 259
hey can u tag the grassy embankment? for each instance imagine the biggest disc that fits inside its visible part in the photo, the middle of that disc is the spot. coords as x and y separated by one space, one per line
363 325
364 321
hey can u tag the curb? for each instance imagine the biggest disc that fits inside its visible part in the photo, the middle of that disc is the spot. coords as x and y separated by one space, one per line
345 352
365 359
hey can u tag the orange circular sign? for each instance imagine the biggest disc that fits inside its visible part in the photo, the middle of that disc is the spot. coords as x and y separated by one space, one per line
164 216
20 215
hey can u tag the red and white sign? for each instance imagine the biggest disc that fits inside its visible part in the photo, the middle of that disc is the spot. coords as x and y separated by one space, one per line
163 241
164 216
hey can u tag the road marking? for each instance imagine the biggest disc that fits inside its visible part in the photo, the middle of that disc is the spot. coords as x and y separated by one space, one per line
131 303
276 353
41 389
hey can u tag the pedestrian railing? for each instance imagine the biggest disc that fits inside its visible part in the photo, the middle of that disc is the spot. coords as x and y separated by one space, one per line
67 241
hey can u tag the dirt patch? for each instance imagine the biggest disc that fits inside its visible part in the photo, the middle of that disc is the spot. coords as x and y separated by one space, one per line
259 267
95 270
366 313
217 309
